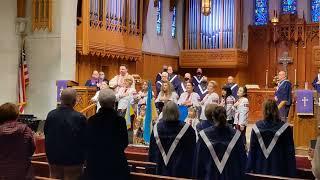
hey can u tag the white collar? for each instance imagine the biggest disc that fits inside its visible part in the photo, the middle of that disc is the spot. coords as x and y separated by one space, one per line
267 151
220 164
183 87
201 90
196 78
166 157
232 87
173 78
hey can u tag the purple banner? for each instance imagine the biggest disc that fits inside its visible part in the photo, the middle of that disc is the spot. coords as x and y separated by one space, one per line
61 85
304 102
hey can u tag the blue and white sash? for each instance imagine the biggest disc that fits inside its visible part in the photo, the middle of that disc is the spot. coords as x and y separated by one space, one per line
201 90
220 164
267 151
166 157
196 78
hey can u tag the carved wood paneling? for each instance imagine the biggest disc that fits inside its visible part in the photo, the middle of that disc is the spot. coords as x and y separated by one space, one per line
213 58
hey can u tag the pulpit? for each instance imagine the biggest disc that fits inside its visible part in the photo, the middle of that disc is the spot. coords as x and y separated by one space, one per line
84 95
305 125
256 98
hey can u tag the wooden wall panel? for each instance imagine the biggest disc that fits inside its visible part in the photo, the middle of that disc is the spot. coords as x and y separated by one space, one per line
264 54
148 67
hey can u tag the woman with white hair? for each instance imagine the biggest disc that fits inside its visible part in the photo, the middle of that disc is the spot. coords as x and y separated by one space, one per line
106 140
172 144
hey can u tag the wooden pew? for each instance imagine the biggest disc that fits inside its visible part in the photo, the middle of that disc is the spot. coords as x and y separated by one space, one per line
40 168
252 176
142 167
43 178
141 176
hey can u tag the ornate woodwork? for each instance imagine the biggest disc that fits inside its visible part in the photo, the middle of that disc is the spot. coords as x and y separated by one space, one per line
42 15
109 36
213 58
292 35
84 95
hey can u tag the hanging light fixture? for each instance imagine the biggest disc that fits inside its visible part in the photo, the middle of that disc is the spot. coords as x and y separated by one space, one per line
206 7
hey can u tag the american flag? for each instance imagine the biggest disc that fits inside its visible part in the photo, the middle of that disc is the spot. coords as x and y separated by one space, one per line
23 80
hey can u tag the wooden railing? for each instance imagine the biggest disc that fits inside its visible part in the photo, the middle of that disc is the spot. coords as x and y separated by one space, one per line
89 111
111 28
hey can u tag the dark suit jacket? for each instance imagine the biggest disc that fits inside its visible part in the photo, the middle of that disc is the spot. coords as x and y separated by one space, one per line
107 138
64 131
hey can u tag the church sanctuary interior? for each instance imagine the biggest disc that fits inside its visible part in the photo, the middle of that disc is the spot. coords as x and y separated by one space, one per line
159 89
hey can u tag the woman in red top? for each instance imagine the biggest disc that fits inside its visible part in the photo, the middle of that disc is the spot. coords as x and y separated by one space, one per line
17 145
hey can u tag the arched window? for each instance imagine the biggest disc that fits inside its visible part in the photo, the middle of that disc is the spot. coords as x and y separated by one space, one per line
315 10
159 17
261 15
289 6
174 22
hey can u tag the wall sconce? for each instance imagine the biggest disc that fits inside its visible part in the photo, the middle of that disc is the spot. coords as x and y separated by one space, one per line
275 20
206 7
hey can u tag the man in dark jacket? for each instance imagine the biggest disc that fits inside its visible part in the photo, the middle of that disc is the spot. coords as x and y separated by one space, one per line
106 139
64 136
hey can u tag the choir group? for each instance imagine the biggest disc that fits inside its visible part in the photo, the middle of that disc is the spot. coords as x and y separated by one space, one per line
210 142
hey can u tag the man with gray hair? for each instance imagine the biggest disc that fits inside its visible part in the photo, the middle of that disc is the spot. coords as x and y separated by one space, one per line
107 138
174 139
64 132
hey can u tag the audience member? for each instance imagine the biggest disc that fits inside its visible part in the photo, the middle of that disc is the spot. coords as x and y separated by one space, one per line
107 138
272 149
17 145
64 131
208 111
172 144
192 118
220 150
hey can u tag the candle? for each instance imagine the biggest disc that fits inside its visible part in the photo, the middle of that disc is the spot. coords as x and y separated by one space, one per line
295 76
267 78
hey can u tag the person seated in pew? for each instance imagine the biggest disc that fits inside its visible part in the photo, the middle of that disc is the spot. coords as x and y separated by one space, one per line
93 82
210 98
220 150
189 98
227 101
166 94
208 111
159 75
202 87
272 149
172 144
17 145
164 78
64 131
125 95
183 84
106 140
94 99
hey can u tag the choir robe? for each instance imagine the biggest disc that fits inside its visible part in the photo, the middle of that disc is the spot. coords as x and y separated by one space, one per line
234 88
197 80
219 139
203 124
175 81
158 77
283 93
180 163
202 91
212 98
193 97
281 161
182 88
315 85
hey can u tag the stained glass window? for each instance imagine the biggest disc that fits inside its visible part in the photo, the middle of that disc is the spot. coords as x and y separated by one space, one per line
289 6
174 23
261 15
315 10
159 17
